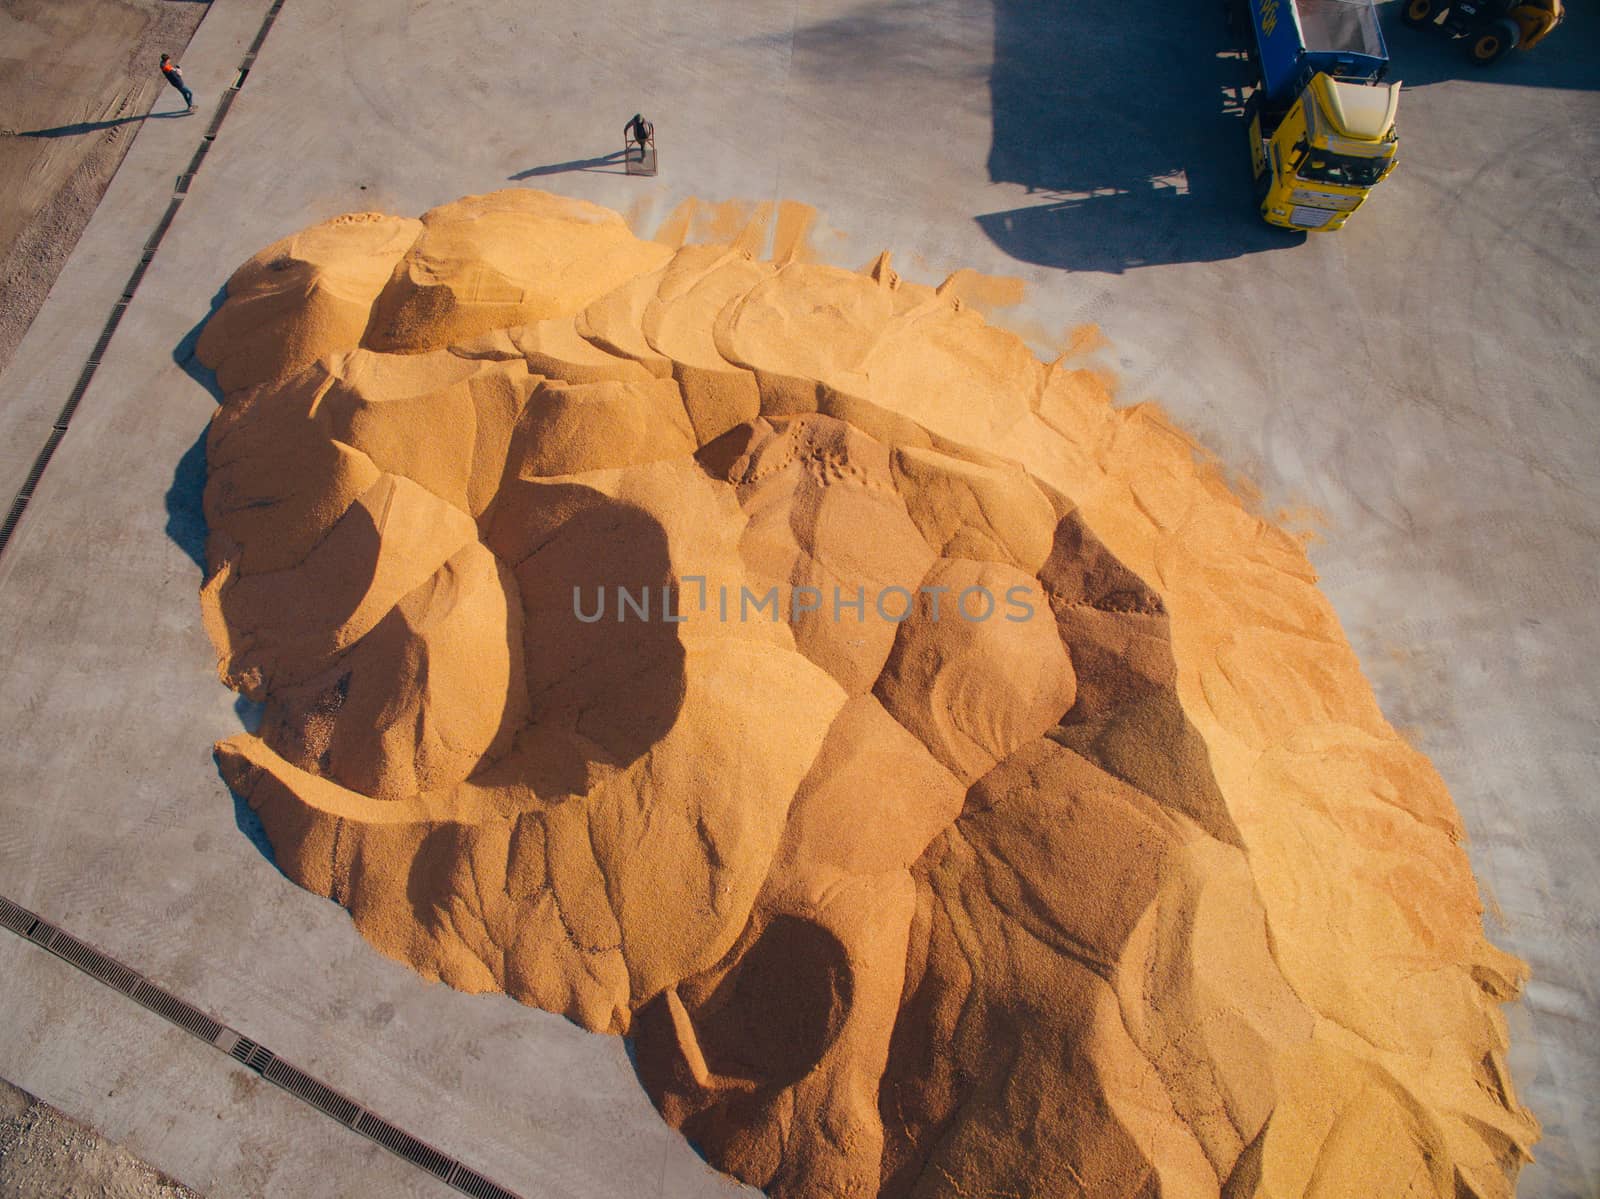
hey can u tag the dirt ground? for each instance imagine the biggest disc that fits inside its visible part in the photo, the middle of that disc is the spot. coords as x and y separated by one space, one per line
76 81
46 1155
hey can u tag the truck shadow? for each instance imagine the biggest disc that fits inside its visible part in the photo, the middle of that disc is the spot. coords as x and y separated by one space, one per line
1129 133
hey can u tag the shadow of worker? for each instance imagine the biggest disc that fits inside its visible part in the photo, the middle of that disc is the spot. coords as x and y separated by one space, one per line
1127 129
81 127
596 166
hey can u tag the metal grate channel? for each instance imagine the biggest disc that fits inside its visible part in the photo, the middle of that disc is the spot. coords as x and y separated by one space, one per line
171 215
242 1049
41 931
75 398
403 1144
9 525
319 1095
266 27
470 1182
16 917
248 1053
185 1016
199 157
99 351
39 463
92 962
223 105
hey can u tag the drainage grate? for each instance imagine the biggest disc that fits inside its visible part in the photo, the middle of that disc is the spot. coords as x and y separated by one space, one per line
242 1049
39 463
18 919
256 1057
92 962
75 398
470 1182
319 1095
9 525
166 223
199 157
190 1019
266 27
223 105
99 351
403 1144
251 1054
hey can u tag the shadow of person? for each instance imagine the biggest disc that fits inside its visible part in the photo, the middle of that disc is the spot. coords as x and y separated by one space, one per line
596 165
78 127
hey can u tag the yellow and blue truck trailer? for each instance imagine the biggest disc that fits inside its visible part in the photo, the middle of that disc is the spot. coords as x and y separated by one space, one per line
1321 116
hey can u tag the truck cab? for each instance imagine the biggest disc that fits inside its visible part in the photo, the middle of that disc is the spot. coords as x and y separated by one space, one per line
1322 119
1336 142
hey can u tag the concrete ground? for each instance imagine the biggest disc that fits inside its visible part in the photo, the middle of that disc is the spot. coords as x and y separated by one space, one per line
1426 380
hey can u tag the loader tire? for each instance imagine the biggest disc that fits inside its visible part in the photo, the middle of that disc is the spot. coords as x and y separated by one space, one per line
1419 13
1493 42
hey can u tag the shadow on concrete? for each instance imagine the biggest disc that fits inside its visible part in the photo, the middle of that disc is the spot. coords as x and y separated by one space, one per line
183 352
248 823
186 519
96 126
244 816
596 165
1129 129
1568 58
186 526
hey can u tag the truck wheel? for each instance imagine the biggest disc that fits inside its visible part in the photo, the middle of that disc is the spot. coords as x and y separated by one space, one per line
1493 42
1417 13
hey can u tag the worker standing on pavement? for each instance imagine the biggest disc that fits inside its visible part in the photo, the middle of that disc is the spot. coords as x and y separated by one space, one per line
175 77
641 131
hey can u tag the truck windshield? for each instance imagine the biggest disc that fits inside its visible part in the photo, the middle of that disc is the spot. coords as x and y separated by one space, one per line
1319 166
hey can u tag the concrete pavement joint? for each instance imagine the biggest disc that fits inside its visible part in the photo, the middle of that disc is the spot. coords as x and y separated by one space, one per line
249 1053
180 190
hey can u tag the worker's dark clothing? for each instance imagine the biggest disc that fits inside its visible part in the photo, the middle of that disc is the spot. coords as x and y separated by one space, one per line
641 131
175 77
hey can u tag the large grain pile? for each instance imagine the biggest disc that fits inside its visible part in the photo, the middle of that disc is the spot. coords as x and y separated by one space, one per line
1135 894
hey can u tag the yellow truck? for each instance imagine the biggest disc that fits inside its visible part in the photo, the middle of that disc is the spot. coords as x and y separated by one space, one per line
1321 117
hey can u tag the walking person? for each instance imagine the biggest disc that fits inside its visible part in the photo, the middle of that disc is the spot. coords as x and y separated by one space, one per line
175 77
641 131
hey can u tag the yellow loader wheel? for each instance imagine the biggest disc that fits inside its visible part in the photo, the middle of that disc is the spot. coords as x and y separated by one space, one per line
1493 42
1418 13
